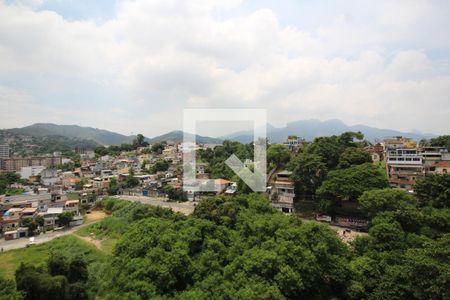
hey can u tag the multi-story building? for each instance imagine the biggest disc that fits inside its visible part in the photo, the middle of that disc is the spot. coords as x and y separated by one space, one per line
27 172
431 155
15 164
51 217
281 192
49 177
294 143
4 151
404 167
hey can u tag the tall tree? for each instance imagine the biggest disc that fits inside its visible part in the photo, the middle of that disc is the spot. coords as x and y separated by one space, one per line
434 189
381 200
65 218
349 184
278 155
354 156
441 141
308 171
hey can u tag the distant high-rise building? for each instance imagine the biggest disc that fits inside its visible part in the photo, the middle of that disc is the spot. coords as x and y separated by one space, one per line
4 151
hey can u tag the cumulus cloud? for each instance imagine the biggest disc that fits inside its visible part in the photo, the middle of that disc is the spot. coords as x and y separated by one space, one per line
157 57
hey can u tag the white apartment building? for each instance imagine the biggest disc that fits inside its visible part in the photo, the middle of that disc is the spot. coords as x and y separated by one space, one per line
27 172
404 167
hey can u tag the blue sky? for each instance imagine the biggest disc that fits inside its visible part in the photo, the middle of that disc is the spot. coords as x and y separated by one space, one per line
133 66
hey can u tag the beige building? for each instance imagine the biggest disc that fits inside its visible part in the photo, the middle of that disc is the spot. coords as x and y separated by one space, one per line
442 167
15 164
281 192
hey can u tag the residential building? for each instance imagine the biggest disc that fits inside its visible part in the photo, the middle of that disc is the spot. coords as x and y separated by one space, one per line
11 219
70 181
51 217
15 164
4 151
49 177
376 152
441 167
294 143
29 212
72 206
101 182
281 192
431 154
27 172
15 234
404 166
220 185
231 190
42 201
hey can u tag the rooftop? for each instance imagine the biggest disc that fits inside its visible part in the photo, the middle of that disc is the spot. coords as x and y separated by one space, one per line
221 181
443 164
55 210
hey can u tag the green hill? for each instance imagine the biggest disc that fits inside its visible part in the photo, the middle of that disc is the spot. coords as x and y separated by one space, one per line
100 136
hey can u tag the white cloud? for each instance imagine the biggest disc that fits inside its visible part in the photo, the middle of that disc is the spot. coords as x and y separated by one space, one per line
167 55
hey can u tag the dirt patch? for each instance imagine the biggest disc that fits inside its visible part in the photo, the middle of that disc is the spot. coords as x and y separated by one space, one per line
95 215
349 236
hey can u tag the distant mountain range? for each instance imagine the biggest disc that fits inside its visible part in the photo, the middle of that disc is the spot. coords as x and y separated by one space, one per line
94 136
177 136
309 129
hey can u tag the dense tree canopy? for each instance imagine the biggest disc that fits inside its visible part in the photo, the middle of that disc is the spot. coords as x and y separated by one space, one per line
330 148
278 155
349 184
216 158
308 171
158 147
6 180
381 200
354 156
8 290
441 141
65 218
434 189
63 279
229 248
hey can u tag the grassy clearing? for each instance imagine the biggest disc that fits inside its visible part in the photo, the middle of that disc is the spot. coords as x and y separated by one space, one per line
108 245
38 254
104 235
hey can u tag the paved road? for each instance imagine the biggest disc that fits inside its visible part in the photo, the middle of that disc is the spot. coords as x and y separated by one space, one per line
43 238
183 207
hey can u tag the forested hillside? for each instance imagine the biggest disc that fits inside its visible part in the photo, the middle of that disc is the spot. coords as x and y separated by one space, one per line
24 144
